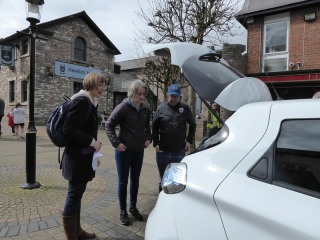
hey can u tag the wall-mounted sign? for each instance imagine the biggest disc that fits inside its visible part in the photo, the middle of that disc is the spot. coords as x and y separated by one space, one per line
6 55
72 70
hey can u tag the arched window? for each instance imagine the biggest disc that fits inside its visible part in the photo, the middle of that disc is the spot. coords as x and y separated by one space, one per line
80 48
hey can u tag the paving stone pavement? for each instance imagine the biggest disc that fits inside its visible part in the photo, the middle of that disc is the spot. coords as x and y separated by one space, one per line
36 213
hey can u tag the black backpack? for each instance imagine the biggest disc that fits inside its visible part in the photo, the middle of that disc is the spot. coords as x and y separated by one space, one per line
54 126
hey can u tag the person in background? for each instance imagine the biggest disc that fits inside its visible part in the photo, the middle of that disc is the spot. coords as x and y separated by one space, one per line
18 115
11 123
133 117
76 163
213 124
169 130
2 105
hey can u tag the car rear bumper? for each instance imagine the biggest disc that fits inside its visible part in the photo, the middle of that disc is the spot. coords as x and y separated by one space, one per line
161 222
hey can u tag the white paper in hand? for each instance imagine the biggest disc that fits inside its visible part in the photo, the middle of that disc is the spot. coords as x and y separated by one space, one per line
95 159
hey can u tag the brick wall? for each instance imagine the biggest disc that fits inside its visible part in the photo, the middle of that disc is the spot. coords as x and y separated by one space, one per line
254 46
304 44
232 53
304 41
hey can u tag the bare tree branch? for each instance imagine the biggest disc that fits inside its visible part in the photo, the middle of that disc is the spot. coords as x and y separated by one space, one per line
196 21
159 73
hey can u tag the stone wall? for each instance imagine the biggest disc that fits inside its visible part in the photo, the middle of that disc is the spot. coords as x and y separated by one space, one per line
49 88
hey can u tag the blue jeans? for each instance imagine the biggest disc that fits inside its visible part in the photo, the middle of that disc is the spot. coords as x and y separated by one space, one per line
164 158
128 161
73 200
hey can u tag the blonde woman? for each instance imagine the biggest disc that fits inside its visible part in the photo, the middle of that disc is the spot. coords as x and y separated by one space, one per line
133 116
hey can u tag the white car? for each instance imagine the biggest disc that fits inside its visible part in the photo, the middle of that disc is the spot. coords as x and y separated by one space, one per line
258 178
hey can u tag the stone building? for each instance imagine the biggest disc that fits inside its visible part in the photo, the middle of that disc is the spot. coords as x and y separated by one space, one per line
66 50
129 70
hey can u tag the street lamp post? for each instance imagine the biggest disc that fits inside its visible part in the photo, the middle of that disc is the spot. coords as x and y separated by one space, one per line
33 8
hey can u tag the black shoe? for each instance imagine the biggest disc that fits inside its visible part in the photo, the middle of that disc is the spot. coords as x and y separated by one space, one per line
134 211
124 219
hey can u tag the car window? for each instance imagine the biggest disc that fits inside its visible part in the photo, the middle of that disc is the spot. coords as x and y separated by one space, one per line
297 156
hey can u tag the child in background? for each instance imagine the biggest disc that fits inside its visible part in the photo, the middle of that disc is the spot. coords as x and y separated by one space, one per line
11 123
18 119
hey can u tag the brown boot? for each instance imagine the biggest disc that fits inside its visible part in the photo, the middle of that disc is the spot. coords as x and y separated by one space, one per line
69 226
82 234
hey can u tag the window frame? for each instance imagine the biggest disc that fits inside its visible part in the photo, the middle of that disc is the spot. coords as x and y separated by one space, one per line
25 46
12 91
80 50
267 172
24 91
76 85
274 19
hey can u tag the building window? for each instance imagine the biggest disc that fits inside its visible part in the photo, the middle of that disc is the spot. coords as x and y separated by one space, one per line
24 91
77 86
297 155
276 40
80 49
25 46
12 91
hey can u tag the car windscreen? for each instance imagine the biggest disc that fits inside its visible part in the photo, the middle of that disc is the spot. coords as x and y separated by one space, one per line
208 78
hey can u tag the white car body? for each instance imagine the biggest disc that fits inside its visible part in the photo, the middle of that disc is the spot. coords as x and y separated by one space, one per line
221 202
257 178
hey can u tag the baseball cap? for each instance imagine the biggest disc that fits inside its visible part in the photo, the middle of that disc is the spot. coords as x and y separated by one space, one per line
174 89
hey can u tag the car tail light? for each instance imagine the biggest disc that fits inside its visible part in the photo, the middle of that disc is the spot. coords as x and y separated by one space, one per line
174 178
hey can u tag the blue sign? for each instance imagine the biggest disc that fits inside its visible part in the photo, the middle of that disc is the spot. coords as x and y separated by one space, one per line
72 70
6 55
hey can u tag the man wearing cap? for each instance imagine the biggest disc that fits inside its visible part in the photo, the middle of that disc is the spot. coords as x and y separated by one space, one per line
169 130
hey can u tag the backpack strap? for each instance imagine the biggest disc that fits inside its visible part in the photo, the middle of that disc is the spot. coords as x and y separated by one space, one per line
86 118
59 159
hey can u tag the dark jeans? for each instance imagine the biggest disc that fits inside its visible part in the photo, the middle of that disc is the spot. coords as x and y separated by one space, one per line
128 161
73 200
164 158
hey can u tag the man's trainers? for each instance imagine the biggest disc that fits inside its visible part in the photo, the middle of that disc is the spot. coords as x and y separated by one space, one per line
124 219
134 211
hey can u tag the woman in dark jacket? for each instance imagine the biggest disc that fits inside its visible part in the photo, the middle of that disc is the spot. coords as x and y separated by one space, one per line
76 161
133 116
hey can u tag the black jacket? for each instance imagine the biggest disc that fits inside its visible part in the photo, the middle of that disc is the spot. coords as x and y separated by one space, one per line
76 164
134 126
169 127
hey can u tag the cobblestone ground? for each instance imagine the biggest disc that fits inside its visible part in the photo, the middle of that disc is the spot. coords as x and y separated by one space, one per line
36 213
